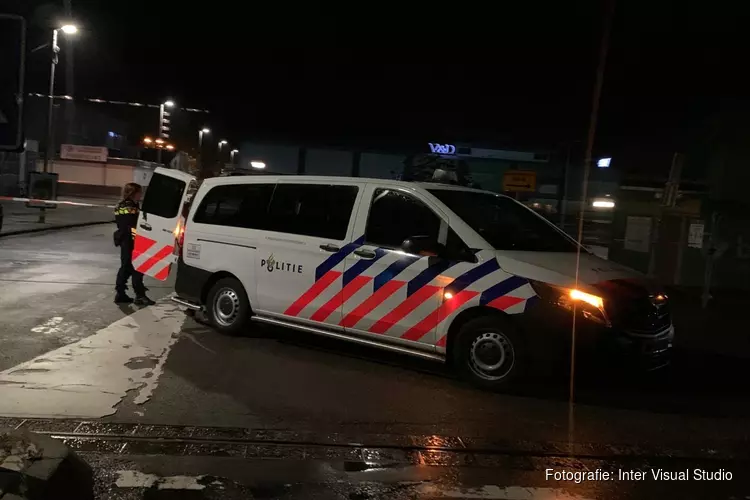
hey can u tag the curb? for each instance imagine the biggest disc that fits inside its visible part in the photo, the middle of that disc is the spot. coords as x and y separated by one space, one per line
37 467
54 228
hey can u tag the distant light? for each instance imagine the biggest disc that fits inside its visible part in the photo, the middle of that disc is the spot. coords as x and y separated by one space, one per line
206 130
69 29
147 140
448 295
111 134
169 104
257 164
169 147
235 151
604 162
603 204
159 141
222 142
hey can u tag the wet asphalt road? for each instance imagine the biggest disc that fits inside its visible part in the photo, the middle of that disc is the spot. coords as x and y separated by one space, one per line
56 289
68 274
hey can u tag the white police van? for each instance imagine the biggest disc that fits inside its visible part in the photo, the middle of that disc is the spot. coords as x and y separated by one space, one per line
436 271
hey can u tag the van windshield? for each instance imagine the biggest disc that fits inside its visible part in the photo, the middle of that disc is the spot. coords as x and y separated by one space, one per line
504 223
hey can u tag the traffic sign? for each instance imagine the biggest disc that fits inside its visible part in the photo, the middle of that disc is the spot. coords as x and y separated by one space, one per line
12 54
519 180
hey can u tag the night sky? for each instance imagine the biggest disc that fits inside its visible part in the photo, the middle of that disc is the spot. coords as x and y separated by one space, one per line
515 74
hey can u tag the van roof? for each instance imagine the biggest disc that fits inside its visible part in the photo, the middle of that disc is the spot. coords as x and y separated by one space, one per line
254 179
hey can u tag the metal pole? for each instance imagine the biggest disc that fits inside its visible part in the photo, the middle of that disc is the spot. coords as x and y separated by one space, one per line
161 133
48 139
51 102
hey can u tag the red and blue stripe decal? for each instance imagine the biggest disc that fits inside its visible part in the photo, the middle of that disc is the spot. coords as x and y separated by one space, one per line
497 295
437 267
393 270
459 297
418 291
337 257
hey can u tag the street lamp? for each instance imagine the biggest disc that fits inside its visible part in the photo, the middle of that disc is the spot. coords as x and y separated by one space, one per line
221 143
231 155
164 122
68 29
201 133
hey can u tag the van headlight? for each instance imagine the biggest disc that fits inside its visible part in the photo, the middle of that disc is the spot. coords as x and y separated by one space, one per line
590 306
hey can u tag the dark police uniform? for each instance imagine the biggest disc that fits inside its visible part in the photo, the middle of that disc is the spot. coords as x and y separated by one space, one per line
126 217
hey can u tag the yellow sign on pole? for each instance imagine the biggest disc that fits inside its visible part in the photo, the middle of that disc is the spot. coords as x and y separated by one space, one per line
517 180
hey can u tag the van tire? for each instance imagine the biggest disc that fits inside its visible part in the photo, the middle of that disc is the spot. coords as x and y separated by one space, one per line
489 352
228 307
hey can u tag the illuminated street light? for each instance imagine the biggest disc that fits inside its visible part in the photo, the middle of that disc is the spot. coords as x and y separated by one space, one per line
231 155
257 164
201 133
159 141
170 147
147 140
169 104
69 29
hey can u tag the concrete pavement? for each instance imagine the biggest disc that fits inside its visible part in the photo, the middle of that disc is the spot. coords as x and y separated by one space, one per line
68 352
57 288
69 212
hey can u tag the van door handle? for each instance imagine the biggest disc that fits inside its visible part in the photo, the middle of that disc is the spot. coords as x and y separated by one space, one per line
365 254
146 226
329 247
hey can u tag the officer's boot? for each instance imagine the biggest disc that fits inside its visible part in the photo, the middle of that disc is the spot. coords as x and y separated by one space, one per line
123 298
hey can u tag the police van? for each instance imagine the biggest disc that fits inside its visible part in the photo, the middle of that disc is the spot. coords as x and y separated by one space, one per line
437 271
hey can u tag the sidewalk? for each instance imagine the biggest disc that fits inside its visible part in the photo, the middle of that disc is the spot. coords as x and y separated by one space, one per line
18 218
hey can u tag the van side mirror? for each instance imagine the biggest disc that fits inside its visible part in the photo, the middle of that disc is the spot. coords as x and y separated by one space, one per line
422 245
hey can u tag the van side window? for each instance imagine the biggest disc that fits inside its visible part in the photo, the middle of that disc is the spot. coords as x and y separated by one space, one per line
163 196
236 205
312 209
395 216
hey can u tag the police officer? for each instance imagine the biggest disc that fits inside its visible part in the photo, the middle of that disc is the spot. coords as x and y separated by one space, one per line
126 217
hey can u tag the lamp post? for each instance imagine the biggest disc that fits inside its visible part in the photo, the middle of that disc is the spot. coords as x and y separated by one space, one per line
222 142
231 155
68 29
201 133
164 123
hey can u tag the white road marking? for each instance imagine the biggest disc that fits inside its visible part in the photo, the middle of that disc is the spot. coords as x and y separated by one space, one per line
87 379
136 479
492 492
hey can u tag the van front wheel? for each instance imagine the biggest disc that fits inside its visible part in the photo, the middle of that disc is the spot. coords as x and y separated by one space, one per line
489 352
228 306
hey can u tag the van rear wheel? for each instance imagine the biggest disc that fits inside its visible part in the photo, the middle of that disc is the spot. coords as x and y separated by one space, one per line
489 352
228 306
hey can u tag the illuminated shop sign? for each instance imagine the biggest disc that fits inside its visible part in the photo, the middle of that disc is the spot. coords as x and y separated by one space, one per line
442 149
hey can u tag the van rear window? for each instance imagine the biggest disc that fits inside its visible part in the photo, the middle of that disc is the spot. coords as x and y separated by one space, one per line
163 196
